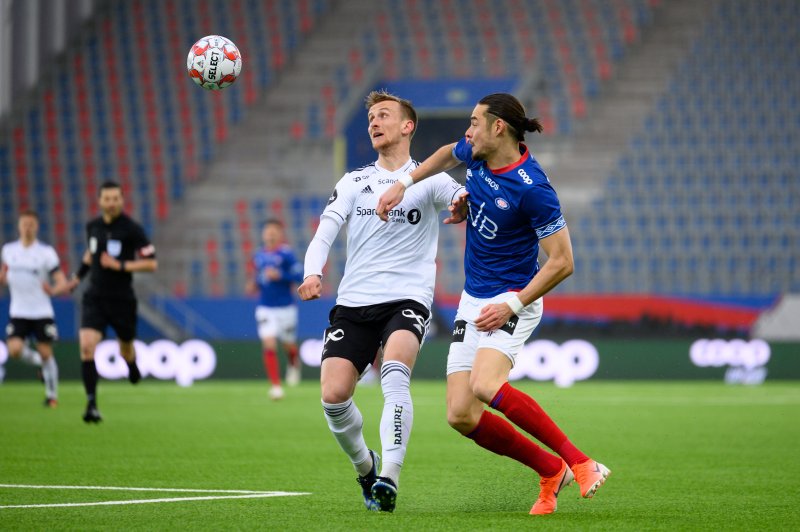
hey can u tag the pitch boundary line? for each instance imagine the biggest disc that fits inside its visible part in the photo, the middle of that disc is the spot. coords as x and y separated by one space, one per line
239 494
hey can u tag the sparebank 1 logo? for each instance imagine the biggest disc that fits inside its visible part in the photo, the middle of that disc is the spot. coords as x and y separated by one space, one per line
544 360
746 360
163 359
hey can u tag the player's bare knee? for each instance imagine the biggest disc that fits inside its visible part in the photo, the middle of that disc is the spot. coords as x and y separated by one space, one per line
483 388
335 391
14 346
87 350
462 421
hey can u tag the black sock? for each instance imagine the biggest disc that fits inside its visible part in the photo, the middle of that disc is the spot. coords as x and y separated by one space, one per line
89 372
133 372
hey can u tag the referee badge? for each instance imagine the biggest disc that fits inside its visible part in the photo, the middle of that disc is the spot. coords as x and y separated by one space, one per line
114 247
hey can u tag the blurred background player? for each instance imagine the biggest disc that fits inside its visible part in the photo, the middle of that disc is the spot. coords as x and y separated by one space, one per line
512 210
276 270
118 247
384 298
27 266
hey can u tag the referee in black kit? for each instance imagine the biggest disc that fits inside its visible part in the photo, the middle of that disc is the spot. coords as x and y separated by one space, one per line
118 247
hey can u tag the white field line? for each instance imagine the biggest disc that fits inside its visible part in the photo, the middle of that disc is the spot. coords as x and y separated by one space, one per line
240 494
119 488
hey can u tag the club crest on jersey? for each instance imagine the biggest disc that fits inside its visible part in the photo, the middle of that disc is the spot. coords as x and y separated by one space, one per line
333 196
501 203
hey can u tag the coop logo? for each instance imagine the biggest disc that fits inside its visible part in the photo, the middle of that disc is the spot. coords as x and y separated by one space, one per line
163 359
746 360
543 360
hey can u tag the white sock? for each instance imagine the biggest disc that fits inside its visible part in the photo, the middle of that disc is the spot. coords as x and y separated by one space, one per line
50 376
31 356
345 422
397 418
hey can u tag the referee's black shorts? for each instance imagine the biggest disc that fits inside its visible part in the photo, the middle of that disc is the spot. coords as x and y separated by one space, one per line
118 313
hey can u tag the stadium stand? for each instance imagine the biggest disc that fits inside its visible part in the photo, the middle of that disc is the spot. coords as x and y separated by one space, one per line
100 117
422 41
703 200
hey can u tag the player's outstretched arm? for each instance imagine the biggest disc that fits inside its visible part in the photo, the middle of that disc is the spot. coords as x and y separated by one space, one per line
442 160
317 256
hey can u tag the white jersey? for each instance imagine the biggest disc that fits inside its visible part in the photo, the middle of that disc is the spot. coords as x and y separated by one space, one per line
387 261
28 268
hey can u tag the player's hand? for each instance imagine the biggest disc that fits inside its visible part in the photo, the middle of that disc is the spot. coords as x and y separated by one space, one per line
458 210
109 262
73 283
3 273
311 288
389 200
493 317
273 274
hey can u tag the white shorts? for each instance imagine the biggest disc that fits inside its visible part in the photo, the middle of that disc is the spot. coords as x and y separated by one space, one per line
277 322
509 339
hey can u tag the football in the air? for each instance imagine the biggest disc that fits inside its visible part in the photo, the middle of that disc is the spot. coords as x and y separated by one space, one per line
214 62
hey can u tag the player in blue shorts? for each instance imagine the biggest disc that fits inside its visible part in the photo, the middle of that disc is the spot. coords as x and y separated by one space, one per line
276 270
511 211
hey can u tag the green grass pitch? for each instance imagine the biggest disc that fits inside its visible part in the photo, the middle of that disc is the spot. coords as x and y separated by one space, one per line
700 456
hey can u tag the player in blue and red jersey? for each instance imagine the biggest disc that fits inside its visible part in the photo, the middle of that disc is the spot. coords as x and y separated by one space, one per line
511 211
276 270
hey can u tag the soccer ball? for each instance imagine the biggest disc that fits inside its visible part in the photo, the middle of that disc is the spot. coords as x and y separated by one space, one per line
214 62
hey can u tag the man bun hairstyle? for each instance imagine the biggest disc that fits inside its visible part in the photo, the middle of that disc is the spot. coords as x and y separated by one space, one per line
509 109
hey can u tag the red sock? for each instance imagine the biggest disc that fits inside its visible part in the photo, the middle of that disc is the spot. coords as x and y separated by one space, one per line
271 365
291 354
497 435
526 413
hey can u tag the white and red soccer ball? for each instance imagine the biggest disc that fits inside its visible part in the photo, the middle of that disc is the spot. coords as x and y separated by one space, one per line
214 62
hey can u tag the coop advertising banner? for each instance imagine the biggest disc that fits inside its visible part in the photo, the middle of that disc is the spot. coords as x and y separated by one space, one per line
562 362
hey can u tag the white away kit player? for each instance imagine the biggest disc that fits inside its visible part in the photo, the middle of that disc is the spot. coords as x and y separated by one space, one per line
385 296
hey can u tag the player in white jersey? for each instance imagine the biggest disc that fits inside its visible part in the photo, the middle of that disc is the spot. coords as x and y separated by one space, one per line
28 266
385 296
512 210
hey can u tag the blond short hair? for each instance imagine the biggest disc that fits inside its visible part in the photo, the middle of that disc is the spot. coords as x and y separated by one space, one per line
382 95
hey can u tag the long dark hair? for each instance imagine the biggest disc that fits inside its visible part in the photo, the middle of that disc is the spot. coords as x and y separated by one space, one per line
510 110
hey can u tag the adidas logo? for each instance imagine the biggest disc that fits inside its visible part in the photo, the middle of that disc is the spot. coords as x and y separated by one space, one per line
367 190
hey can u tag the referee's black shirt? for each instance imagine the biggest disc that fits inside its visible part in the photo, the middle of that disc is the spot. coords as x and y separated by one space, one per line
123 239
